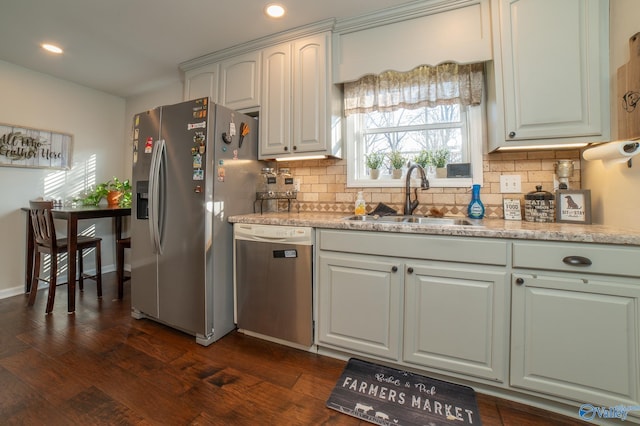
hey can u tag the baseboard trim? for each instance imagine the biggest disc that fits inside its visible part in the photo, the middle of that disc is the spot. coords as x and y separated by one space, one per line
15 291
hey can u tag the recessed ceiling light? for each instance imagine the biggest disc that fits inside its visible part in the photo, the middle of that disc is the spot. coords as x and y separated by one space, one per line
274 10
51 48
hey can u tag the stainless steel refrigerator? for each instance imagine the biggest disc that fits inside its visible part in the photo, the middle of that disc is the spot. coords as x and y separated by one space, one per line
194 164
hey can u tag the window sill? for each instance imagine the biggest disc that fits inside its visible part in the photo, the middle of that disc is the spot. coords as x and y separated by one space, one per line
388 182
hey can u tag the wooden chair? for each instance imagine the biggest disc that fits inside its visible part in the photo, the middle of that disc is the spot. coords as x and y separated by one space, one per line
121 244
45 241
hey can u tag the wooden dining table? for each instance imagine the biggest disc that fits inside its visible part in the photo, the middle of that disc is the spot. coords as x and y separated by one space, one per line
72 215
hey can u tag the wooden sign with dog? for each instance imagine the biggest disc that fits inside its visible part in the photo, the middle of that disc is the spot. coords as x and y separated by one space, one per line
628 95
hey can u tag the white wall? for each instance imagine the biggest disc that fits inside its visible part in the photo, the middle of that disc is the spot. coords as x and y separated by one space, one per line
95 119
615 192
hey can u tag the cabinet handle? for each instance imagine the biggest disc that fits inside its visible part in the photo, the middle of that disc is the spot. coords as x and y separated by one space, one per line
394 269
286 148
410 270
519 281
577 261
295 148
512 135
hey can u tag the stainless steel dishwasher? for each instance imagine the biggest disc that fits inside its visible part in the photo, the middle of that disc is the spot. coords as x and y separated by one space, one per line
273 282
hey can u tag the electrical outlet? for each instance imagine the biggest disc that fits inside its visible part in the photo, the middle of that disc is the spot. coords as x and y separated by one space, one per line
510 184
296 185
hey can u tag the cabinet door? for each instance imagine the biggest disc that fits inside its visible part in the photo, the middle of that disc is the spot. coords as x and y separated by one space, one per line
359 303
310 79
275 114
554 70
240 81
576 338
456 319
201 82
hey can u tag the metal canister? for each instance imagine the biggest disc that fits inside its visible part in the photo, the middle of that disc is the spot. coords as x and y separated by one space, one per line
539 206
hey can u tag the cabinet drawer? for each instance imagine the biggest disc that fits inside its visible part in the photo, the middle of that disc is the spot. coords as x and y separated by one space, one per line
609 260
428 247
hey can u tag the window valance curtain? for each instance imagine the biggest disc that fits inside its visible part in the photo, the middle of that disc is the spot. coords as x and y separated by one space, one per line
424 86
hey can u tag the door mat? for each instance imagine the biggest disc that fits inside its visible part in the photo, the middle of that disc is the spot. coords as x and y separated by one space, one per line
387 396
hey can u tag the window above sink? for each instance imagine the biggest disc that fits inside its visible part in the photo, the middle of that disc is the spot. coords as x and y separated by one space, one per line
458 129
431 115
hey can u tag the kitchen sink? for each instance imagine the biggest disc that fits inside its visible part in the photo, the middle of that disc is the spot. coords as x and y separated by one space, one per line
417 220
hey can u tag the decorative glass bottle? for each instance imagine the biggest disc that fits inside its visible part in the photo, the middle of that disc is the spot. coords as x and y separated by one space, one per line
475 210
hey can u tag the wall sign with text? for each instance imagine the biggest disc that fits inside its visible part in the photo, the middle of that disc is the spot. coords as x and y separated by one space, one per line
26 147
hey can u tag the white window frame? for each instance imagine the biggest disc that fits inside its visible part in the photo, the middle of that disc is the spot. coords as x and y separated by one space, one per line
476 137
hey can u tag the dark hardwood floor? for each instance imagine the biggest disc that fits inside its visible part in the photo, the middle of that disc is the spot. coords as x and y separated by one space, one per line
100 366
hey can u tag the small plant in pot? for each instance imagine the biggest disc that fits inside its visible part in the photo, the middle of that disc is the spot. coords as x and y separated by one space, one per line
397 161
117 192
423 158
439 158
374 161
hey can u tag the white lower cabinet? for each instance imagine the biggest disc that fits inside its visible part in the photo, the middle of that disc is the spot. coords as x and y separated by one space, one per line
576 337
555 320
449 317
359 303
575 322
455 318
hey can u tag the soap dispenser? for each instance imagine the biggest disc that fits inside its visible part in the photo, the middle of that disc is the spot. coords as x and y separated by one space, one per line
361 206
475 210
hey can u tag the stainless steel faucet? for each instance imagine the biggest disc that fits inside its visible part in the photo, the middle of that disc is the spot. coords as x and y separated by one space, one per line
410 206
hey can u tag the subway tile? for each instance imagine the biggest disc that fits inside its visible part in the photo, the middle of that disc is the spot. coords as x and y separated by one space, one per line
323 184
444 198
502 166
541 154
319 187
336 170
526 165
380 198
326 197
326 178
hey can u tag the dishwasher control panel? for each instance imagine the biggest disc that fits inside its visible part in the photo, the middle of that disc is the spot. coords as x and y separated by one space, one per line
277 233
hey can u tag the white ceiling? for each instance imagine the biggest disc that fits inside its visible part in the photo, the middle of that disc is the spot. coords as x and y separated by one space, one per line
127 47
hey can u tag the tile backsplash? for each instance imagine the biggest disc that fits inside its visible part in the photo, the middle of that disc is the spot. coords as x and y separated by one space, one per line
323 185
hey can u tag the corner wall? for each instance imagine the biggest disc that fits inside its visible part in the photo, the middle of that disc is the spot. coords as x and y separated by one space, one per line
615 192
96 121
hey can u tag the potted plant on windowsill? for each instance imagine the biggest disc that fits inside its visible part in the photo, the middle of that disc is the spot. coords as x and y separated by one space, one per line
423 158
439 158
374 161
397 161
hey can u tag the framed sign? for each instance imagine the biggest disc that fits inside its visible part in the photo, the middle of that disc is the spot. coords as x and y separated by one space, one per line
512 209
26 147
573 206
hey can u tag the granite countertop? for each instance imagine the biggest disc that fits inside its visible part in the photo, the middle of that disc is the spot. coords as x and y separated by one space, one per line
489 228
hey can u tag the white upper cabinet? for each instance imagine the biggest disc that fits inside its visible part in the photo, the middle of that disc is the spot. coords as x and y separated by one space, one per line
201 82
310 85
295 115
275 114
549 82
240 81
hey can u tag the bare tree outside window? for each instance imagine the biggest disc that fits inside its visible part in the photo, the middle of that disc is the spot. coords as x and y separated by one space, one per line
410 131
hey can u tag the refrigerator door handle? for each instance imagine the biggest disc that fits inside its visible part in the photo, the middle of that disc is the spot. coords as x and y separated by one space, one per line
158 158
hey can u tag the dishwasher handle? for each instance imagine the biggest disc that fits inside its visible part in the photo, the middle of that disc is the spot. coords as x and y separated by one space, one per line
274 234
264 239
